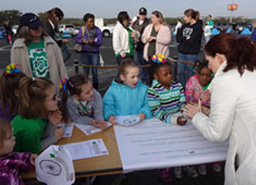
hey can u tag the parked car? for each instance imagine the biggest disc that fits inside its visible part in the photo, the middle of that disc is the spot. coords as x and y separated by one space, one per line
77 29
2 33
223 26
107 30
240 26
67 28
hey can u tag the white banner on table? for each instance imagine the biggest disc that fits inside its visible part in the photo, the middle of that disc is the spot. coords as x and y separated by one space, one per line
153 144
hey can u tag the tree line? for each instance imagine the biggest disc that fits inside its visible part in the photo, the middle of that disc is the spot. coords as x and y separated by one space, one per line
13 17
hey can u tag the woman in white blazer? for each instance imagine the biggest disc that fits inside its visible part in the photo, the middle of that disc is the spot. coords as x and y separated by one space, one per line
233 105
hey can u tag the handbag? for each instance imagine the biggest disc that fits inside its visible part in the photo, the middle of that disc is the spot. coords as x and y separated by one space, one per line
65 52
78 47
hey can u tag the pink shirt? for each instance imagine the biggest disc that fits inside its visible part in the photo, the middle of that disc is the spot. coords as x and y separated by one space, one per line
194 91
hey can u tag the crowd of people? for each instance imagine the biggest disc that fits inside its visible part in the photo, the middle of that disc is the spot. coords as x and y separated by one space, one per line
217 94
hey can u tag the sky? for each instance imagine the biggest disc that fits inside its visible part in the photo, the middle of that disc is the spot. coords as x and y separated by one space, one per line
110 8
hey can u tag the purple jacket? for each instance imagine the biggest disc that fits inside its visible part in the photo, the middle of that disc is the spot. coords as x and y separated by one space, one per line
11 164
94 47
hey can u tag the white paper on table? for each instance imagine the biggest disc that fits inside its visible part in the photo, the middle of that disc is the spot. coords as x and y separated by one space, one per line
55 166
90 129
128 120
68 129
153 144
87 149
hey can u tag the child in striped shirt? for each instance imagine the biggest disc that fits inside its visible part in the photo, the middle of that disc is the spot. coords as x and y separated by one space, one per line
165 97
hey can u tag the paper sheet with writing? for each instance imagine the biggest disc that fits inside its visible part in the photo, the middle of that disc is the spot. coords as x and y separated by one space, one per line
90 129
153 144
68 129
87 149
128 120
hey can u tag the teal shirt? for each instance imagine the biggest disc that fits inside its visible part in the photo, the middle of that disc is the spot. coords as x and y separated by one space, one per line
28 133
38 59
210 22
123 100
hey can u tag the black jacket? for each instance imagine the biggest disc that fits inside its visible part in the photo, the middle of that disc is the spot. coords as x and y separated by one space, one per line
192 45
140 28
51 32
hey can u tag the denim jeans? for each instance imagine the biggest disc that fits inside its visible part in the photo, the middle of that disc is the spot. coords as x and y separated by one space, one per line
91 59
138 58
184 70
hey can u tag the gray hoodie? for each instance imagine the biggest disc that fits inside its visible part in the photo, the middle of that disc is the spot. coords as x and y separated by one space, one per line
93 110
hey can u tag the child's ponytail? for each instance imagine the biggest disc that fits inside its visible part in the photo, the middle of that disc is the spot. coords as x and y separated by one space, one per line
243 56
32 95
9 85
64 96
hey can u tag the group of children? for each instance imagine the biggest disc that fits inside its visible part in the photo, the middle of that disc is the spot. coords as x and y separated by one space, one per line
31 107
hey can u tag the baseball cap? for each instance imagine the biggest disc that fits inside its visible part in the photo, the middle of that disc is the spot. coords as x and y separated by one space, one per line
30 20
143 11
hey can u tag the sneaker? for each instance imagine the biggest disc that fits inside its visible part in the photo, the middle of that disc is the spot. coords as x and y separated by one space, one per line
216 167
165 174
191 171
202 169
178 172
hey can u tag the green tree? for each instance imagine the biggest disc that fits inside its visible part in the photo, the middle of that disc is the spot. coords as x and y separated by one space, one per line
12 16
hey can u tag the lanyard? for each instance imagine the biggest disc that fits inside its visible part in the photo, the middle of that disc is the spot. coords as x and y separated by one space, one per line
84 107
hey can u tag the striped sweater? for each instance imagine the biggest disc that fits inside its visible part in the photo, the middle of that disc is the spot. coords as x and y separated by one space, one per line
163 102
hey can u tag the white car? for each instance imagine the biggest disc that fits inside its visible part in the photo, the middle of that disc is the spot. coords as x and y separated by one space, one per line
77 29
107 30
67 29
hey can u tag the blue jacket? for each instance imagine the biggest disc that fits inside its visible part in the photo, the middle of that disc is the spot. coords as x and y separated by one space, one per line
94 47
121 100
